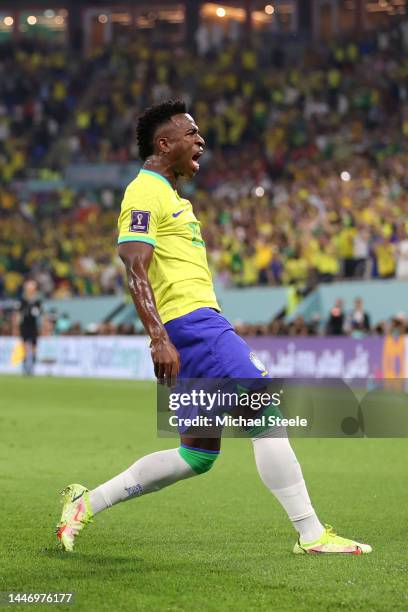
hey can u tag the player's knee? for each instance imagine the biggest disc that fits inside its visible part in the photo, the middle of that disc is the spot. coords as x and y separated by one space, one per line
199 460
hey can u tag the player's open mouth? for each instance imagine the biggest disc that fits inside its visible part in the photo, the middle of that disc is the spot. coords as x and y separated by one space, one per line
194 161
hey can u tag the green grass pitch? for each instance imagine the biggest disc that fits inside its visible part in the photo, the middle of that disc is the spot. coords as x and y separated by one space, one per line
216 542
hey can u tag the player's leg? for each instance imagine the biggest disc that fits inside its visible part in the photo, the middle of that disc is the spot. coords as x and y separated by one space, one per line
281 473
29 352
33 355
149 474
156 471
276 462
200 453
26 350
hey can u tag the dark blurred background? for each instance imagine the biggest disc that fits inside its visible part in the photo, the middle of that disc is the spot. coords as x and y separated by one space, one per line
302 193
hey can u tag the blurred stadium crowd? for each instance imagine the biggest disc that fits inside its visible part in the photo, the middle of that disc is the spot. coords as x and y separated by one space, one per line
305 178
341 321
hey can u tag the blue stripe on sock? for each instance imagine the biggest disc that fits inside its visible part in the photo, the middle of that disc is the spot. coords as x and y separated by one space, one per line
201 450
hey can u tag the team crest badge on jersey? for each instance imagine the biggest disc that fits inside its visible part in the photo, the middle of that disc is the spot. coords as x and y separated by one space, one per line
139 221
258 364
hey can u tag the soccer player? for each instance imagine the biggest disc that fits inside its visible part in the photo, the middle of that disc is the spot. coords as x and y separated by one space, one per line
161 246
26 321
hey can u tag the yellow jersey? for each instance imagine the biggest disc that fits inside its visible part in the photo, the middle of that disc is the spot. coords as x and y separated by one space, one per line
153 212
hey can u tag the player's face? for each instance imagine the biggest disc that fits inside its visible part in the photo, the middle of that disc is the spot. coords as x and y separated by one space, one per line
185 145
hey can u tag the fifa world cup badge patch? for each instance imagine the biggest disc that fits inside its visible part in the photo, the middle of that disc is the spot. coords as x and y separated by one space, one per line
139 221
257 363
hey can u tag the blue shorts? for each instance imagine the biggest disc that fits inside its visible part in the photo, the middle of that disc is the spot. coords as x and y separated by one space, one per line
210 348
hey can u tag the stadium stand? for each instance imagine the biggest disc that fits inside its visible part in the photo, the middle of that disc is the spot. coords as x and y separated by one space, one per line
304 180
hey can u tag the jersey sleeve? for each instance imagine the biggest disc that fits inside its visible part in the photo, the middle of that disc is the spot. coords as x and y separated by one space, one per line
139 218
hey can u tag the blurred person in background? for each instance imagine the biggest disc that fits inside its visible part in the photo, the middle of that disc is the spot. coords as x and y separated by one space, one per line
361 249
27 323
358 319
398 325
401 252
335 324
63 324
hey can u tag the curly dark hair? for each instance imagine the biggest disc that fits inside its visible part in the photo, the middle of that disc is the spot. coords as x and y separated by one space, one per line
152 118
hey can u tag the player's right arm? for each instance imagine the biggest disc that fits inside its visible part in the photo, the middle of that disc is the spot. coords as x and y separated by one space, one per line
137 257
139 220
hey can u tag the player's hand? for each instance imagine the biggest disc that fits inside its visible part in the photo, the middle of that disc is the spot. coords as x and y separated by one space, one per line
166 361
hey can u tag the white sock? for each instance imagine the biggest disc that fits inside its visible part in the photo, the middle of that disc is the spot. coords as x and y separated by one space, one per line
150 473
281 473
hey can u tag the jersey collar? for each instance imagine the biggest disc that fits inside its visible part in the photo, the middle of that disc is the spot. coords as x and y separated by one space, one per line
158 176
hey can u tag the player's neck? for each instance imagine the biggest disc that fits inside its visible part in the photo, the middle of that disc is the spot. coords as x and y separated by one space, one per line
155 164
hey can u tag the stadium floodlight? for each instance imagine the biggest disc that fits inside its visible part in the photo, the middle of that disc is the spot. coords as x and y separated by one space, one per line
31 20
345 176
269 9
8 21
220 12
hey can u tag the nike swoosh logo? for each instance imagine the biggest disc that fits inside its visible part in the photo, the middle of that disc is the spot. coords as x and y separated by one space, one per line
77 497
178 213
